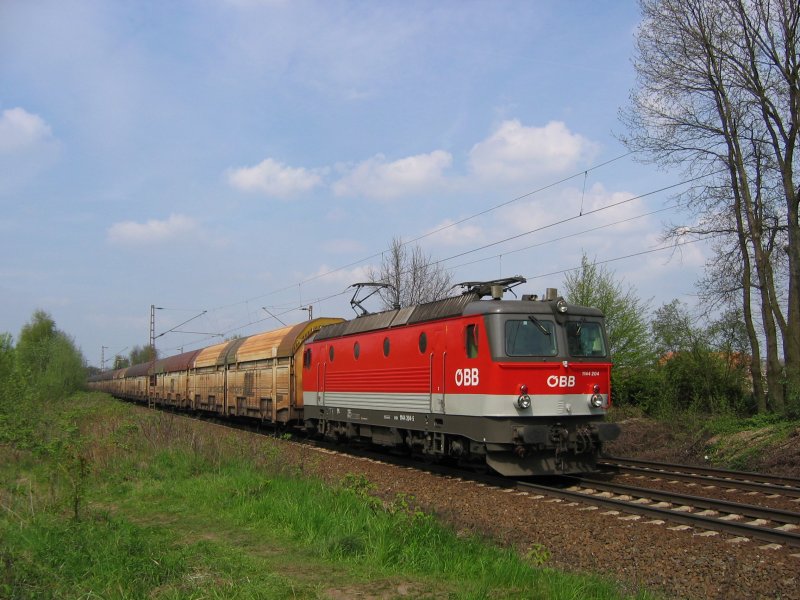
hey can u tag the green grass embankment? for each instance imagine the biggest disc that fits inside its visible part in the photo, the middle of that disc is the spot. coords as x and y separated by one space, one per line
100 499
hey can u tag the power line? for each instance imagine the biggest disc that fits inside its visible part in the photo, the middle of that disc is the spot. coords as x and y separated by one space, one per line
566 220
430 233
609 260
565 237
502 204
272 315
460 221
528 277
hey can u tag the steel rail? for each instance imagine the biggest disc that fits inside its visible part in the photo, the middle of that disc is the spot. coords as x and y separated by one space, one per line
777 480
722 482
745 510
773 536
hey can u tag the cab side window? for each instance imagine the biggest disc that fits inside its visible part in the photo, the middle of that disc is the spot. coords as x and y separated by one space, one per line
471 340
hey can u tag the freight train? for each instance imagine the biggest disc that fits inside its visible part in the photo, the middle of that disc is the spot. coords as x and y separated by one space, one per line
519 385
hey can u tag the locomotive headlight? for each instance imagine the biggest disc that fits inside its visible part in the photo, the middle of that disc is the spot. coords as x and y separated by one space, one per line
561 306
596 401
524 400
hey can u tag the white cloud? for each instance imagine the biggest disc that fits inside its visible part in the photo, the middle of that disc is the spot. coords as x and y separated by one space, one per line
27 147
21 130
598 206
376 178
153 231
275 179
512 153
518 153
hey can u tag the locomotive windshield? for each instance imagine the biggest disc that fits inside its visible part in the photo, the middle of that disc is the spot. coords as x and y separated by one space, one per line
530 337
585 339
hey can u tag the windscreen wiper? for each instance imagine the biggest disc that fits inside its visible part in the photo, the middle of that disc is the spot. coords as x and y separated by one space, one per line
538 324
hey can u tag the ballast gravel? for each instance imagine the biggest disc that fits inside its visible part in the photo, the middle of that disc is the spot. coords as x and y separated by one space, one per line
642 554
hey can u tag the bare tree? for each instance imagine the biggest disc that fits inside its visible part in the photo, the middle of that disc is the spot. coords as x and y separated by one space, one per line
718 94
415 277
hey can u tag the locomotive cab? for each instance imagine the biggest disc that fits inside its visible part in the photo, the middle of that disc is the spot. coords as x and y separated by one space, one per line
551 371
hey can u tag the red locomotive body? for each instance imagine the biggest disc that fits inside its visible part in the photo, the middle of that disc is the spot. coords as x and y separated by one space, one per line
520 384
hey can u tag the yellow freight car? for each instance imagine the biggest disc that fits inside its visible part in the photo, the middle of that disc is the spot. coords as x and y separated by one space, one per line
253 376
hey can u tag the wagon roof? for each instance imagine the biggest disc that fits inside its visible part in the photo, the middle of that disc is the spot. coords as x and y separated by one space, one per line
214 355
107 375
179 362
139 370
281 342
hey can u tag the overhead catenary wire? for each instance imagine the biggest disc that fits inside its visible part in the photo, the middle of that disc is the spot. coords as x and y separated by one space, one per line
581 214
233 330
565 237
565 220
518 198
433 232
528 277
632 255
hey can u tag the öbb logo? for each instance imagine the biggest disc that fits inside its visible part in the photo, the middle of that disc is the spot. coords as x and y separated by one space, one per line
562 381
466 377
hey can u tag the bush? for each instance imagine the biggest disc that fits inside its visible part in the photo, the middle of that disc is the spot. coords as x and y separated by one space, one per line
47 365
698 380
642 388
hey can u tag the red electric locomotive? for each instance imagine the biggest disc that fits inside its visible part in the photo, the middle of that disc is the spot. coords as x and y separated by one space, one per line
521 385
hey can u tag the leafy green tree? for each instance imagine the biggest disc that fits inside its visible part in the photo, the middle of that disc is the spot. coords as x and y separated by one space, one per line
698 366
729 335
672 329
143 354
66 368
6 357
48 360
121 362
626 323
717 95
33 345
7 367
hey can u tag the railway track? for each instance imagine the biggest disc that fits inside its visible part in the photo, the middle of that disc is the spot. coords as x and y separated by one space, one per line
733 480
743 521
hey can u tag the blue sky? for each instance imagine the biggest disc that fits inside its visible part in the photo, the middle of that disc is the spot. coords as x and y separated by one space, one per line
229 155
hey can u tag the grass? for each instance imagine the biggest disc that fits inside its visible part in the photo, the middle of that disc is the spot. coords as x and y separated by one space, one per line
109 501
739 443
724 440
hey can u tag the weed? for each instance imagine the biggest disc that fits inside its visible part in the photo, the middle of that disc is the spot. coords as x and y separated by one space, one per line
358 484
537 555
